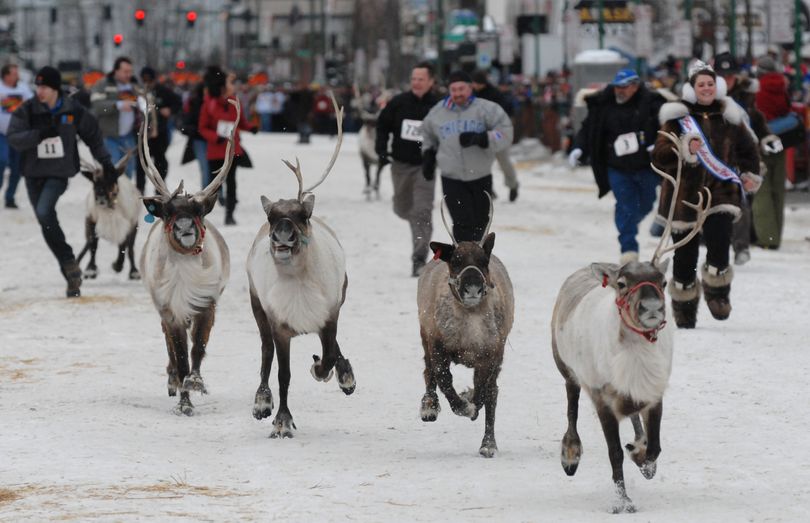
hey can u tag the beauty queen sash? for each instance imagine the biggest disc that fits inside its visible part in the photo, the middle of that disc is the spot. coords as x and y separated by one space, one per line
706 156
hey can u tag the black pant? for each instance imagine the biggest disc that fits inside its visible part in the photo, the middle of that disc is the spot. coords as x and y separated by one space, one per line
717 236
44 193
468 205
230 184
157 149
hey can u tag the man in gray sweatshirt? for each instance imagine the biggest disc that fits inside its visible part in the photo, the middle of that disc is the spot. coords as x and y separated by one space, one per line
462 134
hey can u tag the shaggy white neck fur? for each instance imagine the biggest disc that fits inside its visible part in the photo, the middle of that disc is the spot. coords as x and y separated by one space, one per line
114 225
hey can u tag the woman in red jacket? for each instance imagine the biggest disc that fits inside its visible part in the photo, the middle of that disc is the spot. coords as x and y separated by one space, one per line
772 98
217 118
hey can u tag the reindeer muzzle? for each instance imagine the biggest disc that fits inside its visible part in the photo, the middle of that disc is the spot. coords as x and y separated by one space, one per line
470 286
284 240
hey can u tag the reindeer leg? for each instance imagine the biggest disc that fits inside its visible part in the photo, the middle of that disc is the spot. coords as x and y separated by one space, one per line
263 401
637 450
322 369
377 182
652 421
171 367
367 170
283 423
200 331
488 445
179 343
610 428
430 408
571 444
91 271
444 378
133 270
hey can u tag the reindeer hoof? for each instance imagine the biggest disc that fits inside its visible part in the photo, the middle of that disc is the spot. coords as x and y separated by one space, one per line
315 370
345 376
90 273
263 403
283 426
648 469
623 506
469 411
134 275
173 384
488 447
194 383
184 408
570 455
430 407
117 267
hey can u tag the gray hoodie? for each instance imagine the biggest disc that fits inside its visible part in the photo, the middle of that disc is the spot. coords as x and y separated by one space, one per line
446 120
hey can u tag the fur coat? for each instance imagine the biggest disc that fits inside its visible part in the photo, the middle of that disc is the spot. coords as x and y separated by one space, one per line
731 140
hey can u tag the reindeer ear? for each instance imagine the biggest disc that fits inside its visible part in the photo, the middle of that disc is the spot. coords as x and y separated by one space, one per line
308 201
488 244
442 251
266 204
663 266
154 205
606 273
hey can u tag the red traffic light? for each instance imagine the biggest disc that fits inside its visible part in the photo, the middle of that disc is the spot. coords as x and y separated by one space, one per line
191 17
118 38
181 64
140 16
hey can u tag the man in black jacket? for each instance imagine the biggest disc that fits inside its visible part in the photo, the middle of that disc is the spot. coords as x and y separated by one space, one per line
45 130
617 136
487 91
413 194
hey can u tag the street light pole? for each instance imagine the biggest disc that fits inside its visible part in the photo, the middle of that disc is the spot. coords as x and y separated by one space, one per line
732 28
797 46
600 5
439 39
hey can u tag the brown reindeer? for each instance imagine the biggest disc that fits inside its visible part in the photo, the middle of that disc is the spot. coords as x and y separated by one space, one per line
466 308
186 265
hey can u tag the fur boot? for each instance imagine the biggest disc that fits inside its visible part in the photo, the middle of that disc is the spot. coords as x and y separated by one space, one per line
717 287
685 298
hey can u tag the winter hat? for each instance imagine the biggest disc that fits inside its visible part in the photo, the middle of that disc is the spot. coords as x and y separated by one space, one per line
625 77
766 64
458 76
148 72
726 64
50 77
700 67
480 77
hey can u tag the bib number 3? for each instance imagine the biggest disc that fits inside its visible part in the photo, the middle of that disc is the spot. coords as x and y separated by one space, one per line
51 148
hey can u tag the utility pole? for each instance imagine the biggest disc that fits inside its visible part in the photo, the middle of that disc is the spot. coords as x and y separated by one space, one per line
536 31
732 28
639 59
688 16
750 44
797 46
600 5
439 39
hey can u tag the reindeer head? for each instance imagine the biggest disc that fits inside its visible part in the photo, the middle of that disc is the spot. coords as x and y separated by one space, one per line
290 219
104 189
467 264
183 214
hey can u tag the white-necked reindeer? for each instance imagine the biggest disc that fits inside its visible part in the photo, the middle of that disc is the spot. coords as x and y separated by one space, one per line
610 336
466 308
112 214
186 265
297 274
366 137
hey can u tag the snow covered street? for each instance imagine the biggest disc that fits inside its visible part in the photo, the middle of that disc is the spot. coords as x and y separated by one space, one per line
87 431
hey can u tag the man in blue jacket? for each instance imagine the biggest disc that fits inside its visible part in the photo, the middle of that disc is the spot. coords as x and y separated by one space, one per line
45 130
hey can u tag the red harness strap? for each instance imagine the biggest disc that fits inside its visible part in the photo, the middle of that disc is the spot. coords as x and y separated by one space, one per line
623 304
198 245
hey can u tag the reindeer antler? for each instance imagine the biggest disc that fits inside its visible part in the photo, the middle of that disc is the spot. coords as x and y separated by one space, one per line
296 169
703 211
149 167
444 221
339 119
489 223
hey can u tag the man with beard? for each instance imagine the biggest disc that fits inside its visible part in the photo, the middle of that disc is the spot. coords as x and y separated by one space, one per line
617 136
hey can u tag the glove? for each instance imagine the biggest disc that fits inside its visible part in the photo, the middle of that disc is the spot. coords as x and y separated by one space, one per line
110 173
383 159
48 132
254 129
573 157
469 138
771 144
751 182
429 164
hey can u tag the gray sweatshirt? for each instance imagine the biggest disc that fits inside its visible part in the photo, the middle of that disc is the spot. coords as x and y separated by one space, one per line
446 120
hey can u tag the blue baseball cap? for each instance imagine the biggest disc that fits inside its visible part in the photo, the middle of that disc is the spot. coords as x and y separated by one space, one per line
625 77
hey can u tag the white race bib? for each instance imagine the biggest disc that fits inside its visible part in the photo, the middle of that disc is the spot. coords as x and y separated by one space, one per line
224 128
411 130
626 144
50 148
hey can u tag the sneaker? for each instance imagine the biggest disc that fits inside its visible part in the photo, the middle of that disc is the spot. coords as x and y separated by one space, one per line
418 268
513 194
627 257
742 257
73 275
11 205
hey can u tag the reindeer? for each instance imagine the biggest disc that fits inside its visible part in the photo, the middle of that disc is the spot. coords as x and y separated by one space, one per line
466 308
112 214
297 275
186 265
610 336
366 138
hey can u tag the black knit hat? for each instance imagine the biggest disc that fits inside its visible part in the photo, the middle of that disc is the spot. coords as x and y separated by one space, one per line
724 64
459 76
49 76
148 72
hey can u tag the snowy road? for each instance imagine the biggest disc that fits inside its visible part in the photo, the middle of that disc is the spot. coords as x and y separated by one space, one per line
87 433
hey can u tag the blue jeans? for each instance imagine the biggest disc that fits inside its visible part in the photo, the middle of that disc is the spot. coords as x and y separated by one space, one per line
11 158
267 122
118 147
200 148
635 196
44 193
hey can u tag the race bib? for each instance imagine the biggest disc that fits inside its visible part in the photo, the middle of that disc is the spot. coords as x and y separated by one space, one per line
626 144
224 128
411 130
50 148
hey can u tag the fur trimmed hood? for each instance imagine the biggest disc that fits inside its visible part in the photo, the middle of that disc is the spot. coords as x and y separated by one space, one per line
732 113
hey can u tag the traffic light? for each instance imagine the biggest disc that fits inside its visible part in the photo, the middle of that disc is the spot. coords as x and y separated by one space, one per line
140 16
118 39
191 18
181 64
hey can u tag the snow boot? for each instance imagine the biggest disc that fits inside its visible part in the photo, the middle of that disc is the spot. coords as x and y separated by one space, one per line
685 298
716 288
73 274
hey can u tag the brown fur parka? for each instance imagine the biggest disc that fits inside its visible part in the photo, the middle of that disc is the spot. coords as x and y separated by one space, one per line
731 141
